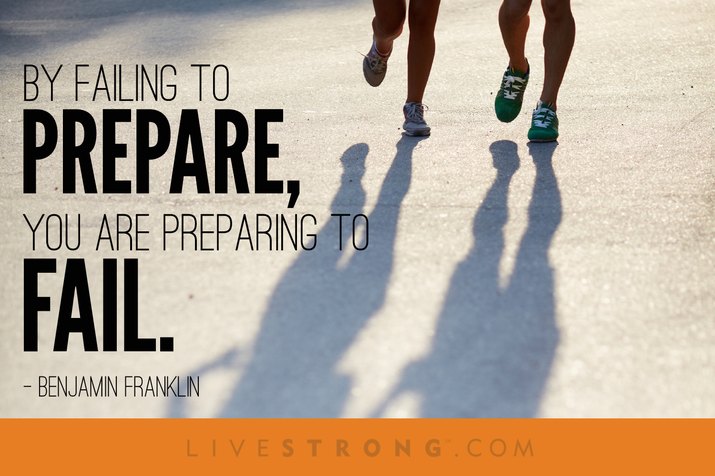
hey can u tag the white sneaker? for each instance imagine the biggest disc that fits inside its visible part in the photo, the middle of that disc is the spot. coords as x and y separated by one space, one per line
374 66
415 124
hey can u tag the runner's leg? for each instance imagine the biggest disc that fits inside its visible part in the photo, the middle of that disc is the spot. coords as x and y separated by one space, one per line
559 35
514 23
420 52
387 24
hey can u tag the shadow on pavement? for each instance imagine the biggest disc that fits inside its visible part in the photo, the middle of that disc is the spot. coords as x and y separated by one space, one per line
320 305
494 346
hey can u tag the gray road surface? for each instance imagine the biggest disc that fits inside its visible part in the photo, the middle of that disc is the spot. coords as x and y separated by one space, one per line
501 278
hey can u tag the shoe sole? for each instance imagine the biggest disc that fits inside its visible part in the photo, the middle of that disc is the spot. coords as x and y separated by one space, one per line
421 133
506 119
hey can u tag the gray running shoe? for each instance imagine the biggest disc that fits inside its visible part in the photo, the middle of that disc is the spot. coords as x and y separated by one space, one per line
374 66
415 124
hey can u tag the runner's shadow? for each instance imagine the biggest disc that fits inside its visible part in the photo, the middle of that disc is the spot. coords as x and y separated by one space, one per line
320 304
494 345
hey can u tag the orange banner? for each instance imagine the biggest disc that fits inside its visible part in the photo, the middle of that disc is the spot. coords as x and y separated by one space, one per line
357 447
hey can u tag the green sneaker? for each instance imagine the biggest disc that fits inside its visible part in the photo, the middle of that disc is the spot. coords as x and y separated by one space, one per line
544 123
511 94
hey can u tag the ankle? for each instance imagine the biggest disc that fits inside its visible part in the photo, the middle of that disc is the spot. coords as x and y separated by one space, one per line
383 48
548 102
519 65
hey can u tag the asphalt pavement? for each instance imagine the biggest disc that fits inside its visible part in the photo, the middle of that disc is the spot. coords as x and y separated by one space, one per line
499 278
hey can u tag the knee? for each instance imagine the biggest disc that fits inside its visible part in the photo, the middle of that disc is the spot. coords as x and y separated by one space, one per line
515 9
556 10
423 16
395 29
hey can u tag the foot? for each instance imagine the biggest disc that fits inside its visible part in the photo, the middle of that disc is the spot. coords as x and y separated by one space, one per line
374 66
415 124
544 123
511 94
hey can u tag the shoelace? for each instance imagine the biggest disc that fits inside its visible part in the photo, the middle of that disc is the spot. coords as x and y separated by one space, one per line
377 62
543 117
510 90
415 112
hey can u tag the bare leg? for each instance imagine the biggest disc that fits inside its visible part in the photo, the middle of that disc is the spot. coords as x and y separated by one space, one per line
559 34
420 52
387 24
514 23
